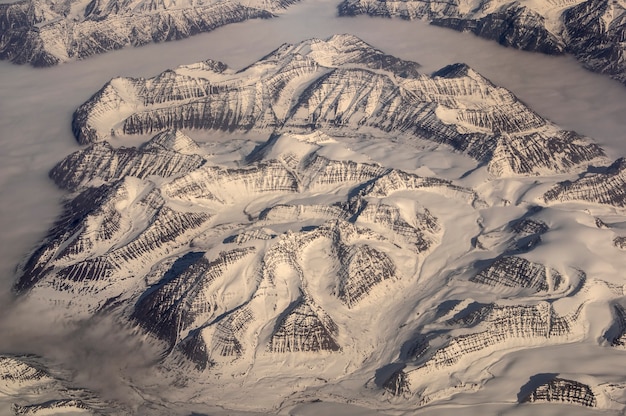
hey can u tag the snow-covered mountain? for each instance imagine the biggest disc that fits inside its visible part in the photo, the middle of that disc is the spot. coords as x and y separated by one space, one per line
45 33
592 30
265 238
337 85
27 387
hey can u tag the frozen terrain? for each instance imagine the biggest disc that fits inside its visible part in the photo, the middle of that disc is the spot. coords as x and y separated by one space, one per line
340 227
45 33
591 30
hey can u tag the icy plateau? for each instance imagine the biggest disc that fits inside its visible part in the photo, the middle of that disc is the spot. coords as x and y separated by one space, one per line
330 224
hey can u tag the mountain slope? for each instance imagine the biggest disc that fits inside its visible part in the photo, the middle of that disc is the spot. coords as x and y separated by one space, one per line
45 33
590 30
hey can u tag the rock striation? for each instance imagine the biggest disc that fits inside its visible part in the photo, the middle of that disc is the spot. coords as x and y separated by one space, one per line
162 156
591 30
486 326
617 335
604 186
518 272
564 391
170 237
46 33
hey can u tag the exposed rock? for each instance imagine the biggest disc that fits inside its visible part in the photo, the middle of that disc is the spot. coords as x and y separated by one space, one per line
519 272
36 390
565 391
55 406
398 384
45 33
604 187
594 32
491 325
101 162
620 242
14 370
591 30
182 297
617 335
362 267
304 327
224 186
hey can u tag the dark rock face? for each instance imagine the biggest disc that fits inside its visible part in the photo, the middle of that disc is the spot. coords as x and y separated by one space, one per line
174 305
519 272
511 25
92 219
616 336
593 30
100 161
490 325
398 384
47 33
304 329
620 242
564 391
604 187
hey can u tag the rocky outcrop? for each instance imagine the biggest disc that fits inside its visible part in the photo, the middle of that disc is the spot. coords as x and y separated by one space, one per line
490 326
84 245
327 86
563 391
102 162
45 33
602 186
303 328
53 406
509 23
362 268
592 30
616 336
620 242
181 298
14 370
521 273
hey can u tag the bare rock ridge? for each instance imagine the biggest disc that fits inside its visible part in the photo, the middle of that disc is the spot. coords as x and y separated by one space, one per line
565 391
337 85
591 30
161 156
518 272
45 33
486 326
603 186
616 336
